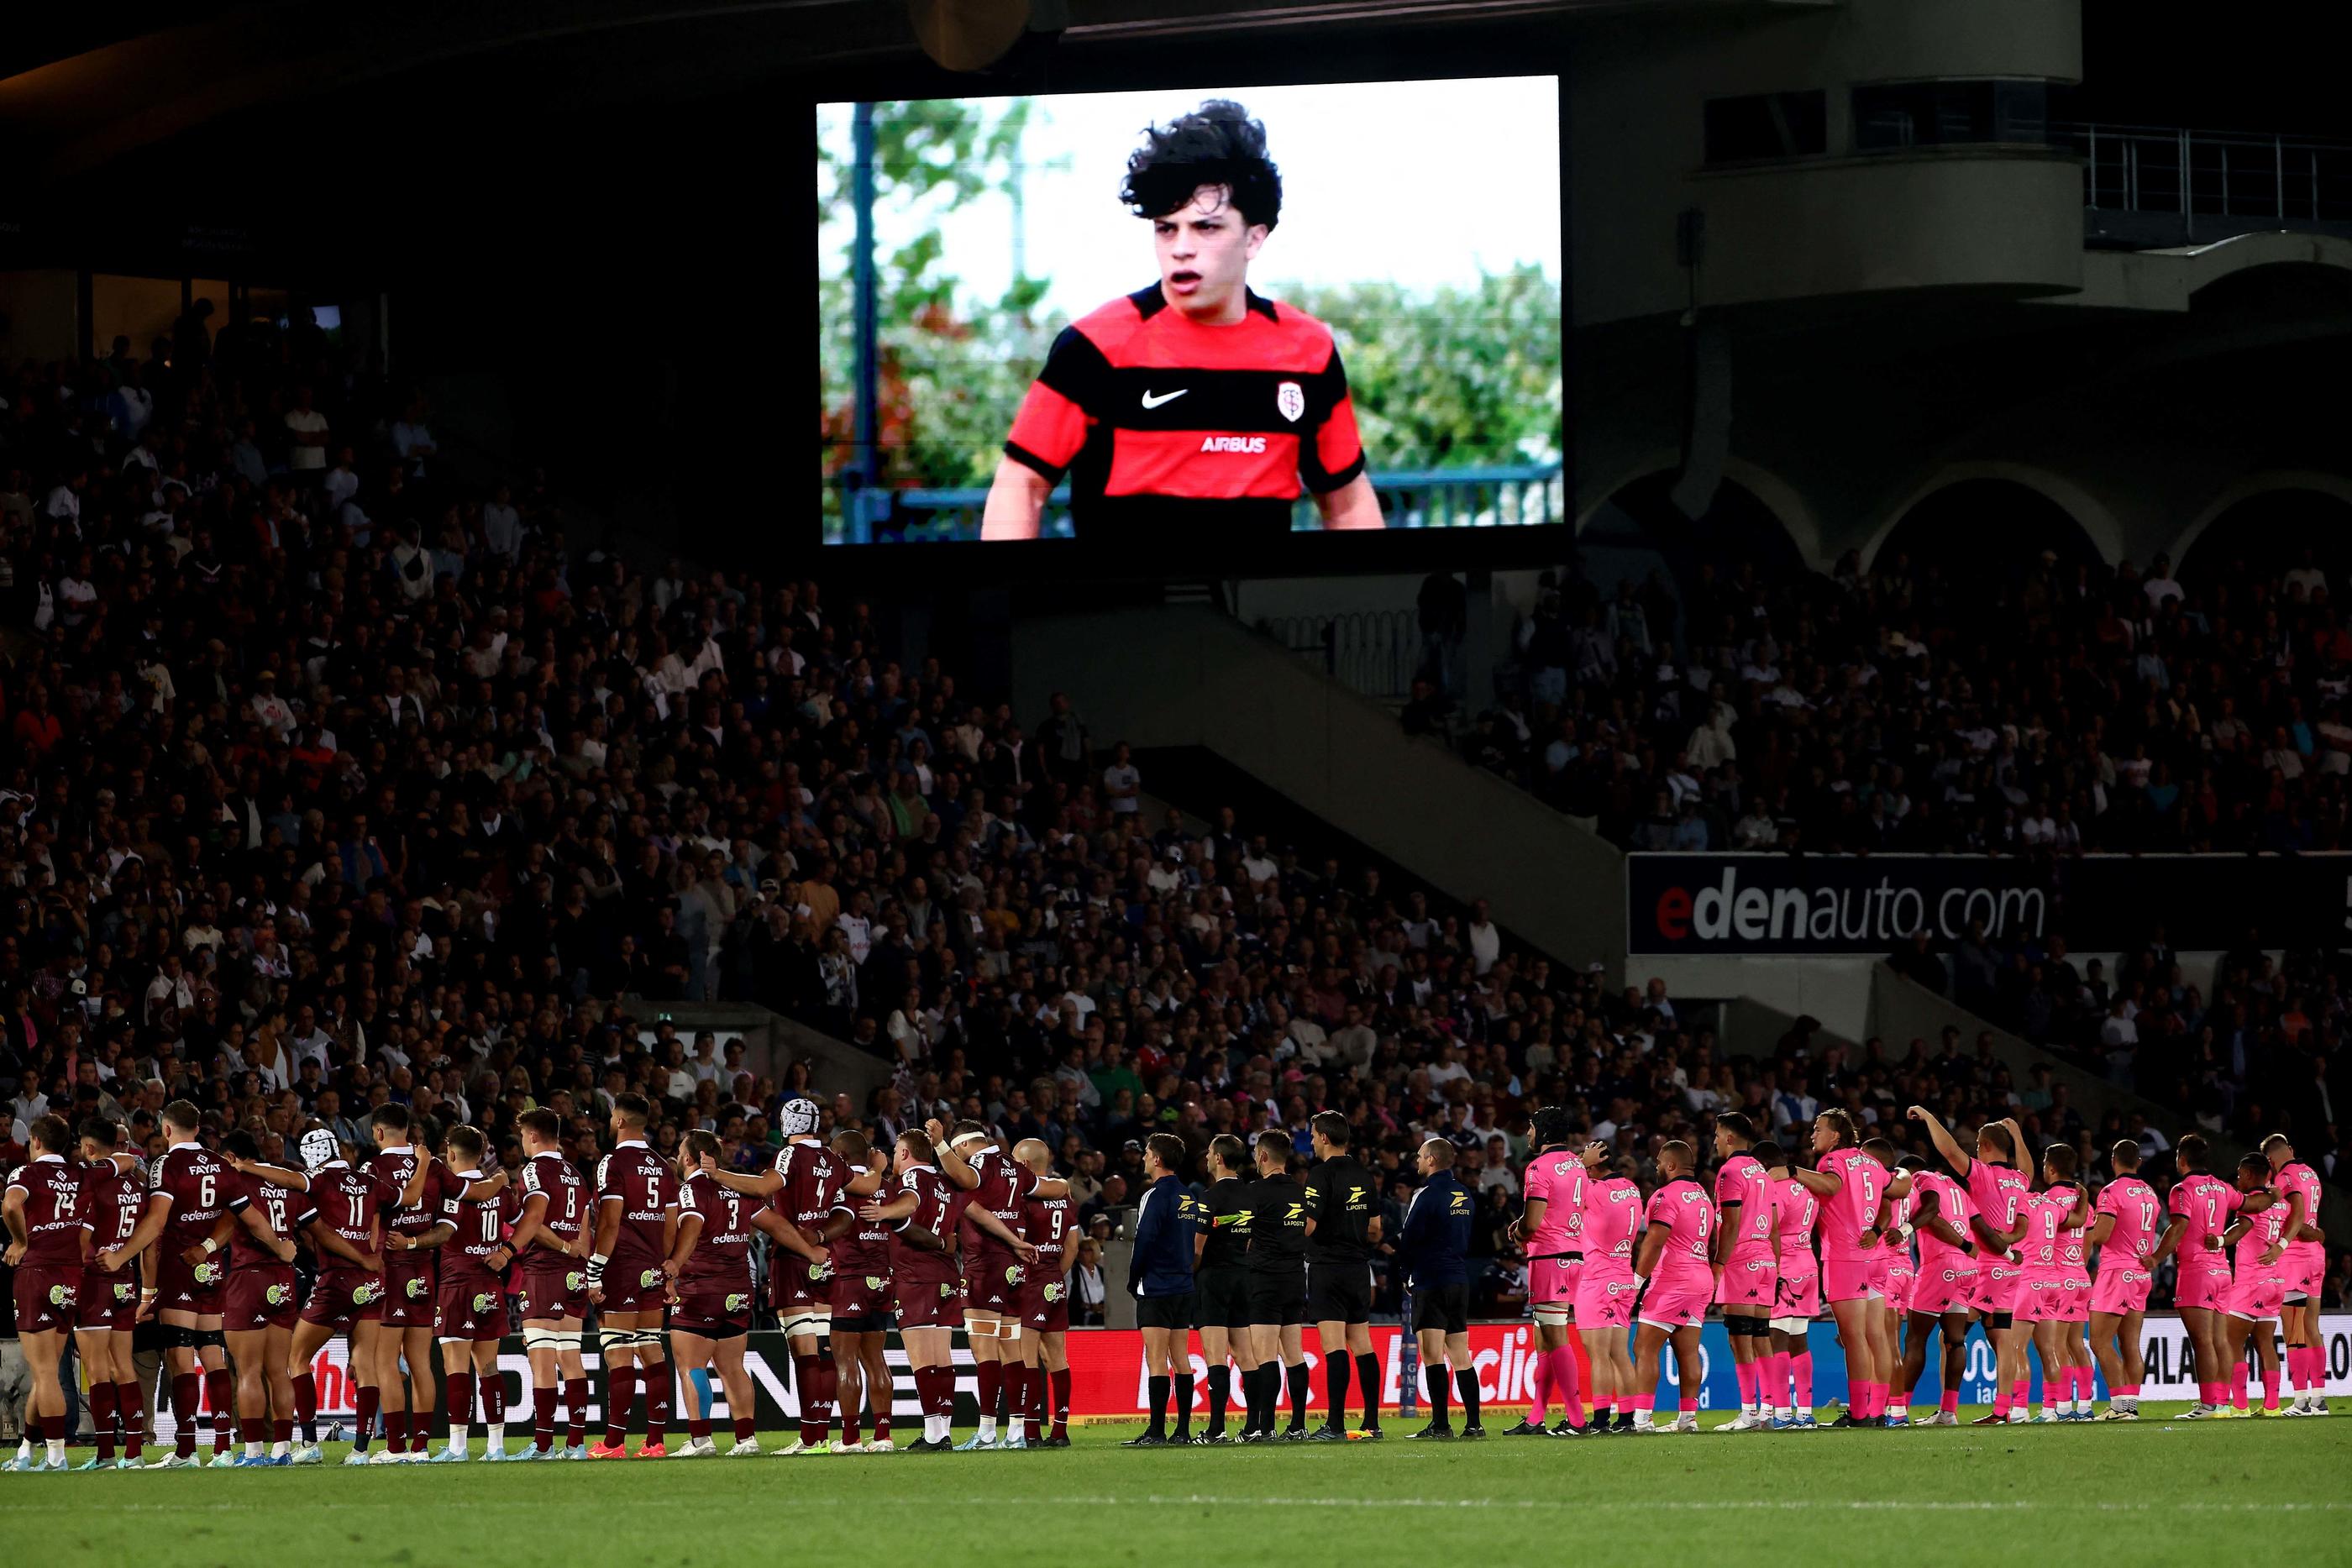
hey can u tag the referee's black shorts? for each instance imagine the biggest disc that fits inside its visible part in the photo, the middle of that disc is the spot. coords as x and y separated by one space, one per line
1221 1299
1445 1307
1339 1292
1165 1312
1277 1297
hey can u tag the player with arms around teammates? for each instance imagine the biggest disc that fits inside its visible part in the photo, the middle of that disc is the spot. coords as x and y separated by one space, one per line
811 1190
709 1270
1997 1190
262 1301
188 1225
1674 1277
349 1211
2307 1272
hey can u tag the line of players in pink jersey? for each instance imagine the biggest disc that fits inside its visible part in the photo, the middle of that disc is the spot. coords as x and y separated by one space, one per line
415 1250
1902 1252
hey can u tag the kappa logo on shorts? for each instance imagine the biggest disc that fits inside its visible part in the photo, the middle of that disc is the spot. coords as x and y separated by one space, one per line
482 1304
278 1295
737 1301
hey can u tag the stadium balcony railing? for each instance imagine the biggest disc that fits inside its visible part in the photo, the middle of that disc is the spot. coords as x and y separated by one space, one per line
1523 495
2147 186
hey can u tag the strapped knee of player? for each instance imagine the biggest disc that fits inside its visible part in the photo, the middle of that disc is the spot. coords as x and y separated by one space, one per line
209 1339
610 1339
178 1338
549 1339
1008 1333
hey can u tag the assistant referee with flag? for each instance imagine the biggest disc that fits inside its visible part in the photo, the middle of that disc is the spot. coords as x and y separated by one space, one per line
1193 409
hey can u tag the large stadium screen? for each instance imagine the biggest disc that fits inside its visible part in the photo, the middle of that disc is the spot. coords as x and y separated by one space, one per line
1200 318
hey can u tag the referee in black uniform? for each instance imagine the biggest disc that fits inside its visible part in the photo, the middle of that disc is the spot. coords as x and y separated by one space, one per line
1276 1263
1220 1282
1343 1226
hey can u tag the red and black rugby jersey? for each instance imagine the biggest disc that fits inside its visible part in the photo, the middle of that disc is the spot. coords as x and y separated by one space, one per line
1161 422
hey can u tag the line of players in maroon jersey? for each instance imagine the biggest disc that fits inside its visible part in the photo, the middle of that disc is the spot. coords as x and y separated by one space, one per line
412 1247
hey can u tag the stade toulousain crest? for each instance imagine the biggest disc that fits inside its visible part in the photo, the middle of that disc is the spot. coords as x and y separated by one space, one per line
1290 400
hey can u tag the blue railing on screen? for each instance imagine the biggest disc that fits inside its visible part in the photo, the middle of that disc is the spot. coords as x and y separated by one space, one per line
1522 494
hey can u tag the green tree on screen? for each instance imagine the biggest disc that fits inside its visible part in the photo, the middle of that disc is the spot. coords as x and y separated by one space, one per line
1458 378
952 371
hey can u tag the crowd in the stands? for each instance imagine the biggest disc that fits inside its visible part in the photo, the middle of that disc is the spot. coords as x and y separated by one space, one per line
2050 708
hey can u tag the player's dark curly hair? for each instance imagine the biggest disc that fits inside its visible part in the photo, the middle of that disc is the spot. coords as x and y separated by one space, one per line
1553 1127
1217 144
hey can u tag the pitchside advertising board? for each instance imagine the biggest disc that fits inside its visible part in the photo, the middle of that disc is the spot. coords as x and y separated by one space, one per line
1108 1381
1737 905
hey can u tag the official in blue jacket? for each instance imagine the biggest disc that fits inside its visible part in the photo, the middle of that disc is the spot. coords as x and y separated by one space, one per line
1161 1274
1433 1247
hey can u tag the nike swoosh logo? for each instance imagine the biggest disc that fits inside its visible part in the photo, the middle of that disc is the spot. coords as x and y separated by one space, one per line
1151 402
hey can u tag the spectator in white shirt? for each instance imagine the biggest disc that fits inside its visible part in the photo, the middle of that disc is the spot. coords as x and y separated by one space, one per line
1122 784
1486 940
307 428
272 711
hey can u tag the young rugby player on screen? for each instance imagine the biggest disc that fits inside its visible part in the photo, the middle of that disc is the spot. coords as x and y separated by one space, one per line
1193 407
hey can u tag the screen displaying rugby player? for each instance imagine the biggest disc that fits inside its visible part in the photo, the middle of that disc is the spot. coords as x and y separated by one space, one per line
1203 317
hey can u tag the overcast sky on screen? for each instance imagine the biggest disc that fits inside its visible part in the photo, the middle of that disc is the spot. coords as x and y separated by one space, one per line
1422 183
